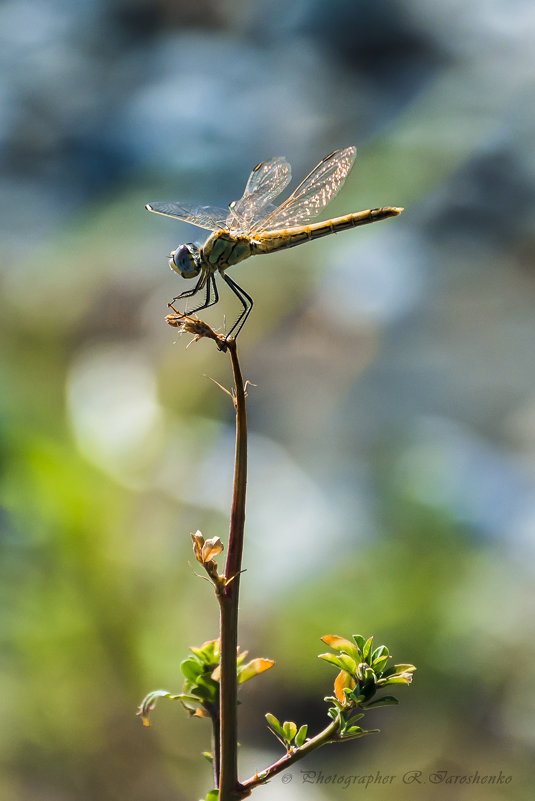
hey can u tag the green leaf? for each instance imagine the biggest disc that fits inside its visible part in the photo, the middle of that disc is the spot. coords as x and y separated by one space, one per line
387 700
359 641
149 702
213 795
275 724
188 698
366 649
394 680
334 660
290 730
207 687
395 669
360 733
331 699
379 652
378 664
353 719
191 668
347 664
404 668
352 730
356 695
301 735
208 652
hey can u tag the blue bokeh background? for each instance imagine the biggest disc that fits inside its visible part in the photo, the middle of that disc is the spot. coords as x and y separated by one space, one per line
392 417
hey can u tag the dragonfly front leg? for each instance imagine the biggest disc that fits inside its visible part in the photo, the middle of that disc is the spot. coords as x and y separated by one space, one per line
245 300
205 280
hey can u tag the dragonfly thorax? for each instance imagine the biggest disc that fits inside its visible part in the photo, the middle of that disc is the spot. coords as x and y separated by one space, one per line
185 261
222 249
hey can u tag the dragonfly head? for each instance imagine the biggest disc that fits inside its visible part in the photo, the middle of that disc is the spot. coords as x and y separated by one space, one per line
185 261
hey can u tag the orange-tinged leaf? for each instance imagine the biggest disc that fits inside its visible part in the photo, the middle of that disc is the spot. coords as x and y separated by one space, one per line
341 644
253 668
342 681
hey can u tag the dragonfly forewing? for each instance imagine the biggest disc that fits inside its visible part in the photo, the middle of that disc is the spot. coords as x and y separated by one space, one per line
209 217
266 182
312 195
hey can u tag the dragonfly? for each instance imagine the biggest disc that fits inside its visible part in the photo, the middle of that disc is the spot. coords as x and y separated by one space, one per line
252 225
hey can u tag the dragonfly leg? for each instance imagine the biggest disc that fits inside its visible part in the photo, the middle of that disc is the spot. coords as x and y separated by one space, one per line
245 300
190 292
209 282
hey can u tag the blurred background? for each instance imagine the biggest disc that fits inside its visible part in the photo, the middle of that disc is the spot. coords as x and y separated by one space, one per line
392 417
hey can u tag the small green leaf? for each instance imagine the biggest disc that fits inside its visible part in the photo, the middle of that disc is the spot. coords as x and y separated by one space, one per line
359 641
387 700
188 698
348 664
360 733
207 755
208 652
290 730
395 669
301 735
353 719
213 795
393 680
404 668
352 730
356 695
191 668
366 649
149 702
275 724
379 652
378 664
334 660
207 687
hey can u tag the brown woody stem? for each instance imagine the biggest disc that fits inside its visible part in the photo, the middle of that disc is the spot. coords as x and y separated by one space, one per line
228 599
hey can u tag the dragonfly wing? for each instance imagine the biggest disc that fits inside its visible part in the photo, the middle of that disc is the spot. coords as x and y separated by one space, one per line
312 194
208 217
266 182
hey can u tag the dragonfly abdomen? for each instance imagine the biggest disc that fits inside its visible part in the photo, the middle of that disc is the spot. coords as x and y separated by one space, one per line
290 237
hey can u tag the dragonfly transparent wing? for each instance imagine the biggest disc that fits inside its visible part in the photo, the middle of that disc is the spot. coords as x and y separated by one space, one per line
312 194
208 217
266 182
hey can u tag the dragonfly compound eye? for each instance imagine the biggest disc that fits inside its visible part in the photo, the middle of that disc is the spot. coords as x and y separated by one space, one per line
183 260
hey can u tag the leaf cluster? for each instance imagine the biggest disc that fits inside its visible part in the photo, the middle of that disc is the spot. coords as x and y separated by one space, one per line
201 671
363 671
287 733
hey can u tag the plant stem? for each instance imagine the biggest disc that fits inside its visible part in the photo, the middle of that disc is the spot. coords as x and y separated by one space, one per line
327 735
228 599
216 750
